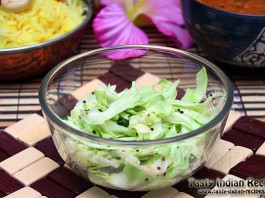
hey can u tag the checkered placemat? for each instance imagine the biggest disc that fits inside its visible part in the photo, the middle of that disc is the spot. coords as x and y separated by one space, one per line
31 167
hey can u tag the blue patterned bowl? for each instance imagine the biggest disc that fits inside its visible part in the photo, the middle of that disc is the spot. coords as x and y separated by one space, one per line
230 38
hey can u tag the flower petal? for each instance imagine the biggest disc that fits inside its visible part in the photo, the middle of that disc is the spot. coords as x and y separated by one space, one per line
126 4
112 27
179 34
108 2
163 10
168 18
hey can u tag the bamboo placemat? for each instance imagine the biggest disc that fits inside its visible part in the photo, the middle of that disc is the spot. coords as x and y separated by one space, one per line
20 99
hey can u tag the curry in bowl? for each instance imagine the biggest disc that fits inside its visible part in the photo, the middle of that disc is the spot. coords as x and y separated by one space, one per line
251 7
230 32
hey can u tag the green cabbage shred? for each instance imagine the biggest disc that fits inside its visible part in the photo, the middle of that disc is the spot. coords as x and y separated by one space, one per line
140 115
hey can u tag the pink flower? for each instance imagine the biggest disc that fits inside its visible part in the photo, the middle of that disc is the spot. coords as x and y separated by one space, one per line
114 24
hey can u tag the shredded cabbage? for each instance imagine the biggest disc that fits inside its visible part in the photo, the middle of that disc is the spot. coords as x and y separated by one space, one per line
42 21
137 115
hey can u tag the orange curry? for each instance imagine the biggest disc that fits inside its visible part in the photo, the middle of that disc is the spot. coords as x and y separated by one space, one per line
252 7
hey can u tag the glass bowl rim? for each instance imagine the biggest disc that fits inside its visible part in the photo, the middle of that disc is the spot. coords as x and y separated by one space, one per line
48 113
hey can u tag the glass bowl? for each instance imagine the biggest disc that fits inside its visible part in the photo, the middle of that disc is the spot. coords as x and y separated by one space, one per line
123 164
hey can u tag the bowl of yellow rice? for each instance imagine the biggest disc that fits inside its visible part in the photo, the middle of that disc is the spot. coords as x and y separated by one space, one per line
34 40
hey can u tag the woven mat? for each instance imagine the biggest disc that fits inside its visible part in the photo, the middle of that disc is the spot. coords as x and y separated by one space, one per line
19 100
31 166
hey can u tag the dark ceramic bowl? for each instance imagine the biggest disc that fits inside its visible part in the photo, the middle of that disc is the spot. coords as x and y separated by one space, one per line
230 38
35 60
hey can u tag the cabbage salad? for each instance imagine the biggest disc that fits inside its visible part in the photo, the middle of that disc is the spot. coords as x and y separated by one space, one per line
140 115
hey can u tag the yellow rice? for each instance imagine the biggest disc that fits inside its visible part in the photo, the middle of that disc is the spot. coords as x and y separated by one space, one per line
44 20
